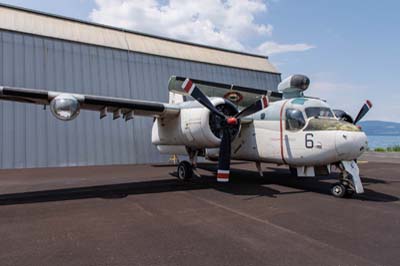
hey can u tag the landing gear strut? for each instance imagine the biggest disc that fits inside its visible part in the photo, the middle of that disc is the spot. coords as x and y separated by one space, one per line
186 169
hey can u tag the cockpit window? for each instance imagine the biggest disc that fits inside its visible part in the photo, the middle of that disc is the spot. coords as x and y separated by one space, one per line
294 119
318 112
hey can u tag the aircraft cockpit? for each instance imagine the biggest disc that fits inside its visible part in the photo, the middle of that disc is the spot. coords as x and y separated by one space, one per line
312 114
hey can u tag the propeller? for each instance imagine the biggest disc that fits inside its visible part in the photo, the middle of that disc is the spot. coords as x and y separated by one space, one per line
227 123
254 107
363 111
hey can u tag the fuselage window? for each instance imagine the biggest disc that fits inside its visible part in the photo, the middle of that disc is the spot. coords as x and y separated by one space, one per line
318 112
294 119
262 116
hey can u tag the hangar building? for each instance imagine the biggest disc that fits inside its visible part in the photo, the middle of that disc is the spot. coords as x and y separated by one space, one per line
44 51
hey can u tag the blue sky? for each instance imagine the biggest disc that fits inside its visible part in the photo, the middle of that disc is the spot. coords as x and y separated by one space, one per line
349 49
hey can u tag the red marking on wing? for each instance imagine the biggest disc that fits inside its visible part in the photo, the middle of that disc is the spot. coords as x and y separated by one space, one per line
265 101
188 86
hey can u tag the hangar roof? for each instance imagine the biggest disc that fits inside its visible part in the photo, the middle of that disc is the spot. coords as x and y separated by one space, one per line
53 26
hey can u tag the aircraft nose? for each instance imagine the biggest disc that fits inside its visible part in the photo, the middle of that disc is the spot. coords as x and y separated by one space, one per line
350 145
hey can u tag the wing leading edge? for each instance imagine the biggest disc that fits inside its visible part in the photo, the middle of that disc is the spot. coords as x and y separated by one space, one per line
102 104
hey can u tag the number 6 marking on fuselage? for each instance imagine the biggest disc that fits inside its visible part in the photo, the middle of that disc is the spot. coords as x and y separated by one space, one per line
309 141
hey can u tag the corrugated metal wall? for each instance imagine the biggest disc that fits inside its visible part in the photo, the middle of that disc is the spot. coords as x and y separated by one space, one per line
31 137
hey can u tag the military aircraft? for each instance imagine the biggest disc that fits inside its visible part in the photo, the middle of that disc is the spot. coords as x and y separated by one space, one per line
247 124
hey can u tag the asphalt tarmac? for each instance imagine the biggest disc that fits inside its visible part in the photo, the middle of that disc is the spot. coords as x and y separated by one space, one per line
141 215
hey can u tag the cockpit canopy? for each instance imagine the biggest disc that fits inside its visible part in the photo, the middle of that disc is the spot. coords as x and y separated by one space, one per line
313 114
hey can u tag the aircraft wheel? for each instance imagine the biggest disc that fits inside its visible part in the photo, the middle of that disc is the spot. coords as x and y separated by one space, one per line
185 171
338 190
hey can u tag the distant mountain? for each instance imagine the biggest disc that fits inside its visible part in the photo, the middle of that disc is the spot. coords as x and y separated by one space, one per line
380 128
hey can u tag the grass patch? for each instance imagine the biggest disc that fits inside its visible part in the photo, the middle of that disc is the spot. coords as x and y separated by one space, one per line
395 148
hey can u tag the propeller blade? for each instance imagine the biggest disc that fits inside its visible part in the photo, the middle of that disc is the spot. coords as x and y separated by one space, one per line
224 159
197 94
254 108
364 110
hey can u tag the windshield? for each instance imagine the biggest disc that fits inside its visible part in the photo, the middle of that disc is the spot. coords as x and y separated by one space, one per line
318 112
329 124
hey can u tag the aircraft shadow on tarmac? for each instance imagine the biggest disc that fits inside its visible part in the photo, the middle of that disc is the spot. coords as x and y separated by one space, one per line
243 182
322 185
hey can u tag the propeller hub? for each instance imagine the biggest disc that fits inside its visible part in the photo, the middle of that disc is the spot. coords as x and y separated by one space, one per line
232 121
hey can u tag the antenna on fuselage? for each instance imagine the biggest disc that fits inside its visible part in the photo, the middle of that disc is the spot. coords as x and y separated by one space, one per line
294 86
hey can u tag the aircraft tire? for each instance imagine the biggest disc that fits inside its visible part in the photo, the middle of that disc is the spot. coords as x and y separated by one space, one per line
185 171
338 190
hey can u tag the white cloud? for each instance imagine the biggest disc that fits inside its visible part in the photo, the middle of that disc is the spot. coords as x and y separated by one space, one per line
270 48
222 23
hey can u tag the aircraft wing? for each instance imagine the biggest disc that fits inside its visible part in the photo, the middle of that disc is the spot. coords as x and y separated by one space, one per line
118 106
238 95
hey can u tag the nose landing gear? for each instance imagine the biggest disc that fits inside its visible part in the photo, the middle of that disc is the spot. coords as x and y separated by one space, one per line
350 181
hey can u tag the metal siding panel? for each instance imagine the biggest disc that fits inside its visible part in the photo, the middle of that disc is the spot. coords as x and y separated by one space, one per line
30 133
80 136
106 78
99 140
123 91
69 135
40 118
62 127
89 120
146 76
19 109
8 110
137 82
128 126
51 140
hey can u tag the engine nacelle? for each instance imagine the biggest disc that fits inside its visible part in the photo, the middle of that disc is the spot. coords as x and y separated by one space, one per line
65 107
195 127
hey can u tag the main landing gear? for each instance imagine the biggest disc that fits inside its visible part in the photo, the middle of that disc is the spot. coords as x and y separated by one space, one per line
186 169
